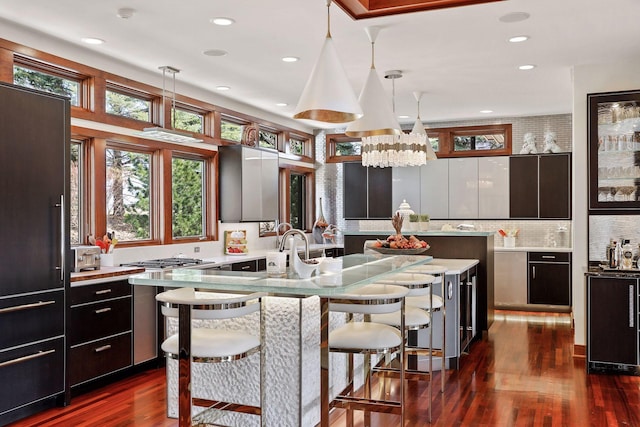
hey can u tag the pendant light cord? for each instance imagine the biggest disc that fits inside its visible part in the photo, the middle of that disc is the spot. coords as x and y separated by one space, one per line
328 19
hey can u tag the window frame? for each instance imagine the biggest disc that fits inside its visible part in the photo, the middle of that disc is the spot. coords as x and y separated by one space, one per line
237 121
332 139
285 193
83 190
154 111
193 110
446 140
208 205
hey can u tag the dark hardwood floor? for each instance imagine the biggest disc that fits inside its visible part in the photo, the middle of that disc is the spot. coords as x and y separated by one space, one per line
523 374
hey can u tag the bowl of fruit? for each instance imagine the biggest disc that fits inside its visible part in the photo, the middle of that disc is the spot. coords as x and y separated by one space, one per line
397 244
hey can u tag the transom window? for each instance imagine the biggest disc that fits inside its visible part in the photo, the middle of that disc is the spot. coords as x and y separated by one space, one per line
189 120
268 139
296 146
128 194
231 130
124 103
48 82
188 195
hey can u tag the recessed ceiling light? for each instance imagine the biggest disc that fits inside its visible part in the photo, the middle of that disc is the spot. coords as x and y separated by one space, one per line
92 40
526 67
215 52
281 104
514 17
290 59
222 21
486 111
223 88
403 117
125 12
518 39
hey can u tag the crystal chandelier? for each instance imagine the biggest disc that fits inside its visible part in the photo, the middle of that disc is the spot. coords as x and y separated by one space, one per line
395 150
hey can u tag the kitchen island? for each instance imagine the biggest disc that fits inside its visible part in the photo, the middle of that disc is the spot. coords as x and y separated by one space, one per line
296 322
450 245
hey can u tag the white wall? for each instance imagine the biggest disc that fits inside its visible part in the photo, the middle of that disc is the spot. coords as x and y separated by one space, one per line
589 79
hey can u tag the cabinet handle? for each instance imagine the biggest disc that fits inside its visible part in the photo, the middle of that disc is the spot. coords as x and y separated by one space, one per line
26 358
103 310
533 267
631 308
103 291
25 306
549 256
245 267
63 260
103 348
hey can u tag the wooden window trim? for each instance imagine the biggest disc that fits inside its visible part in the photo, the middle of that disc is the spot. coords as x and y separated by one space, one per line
446 135
330 148
285 202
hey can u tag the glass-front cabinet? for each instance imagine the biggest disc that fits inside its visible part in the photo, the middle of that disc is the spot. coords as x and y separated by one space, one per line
614 151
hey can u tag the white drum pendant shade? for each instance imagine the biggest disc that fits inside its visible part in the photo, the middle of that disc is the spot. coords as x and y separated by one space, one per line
328 96
378 116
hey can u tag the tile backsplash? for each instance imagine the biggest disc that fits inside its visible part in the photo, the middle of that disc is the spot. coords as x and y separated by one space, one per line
603 228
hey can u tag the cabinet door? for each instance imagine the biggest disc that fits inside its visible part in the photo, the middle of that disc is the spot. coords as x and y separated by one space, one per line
463 188
549 283
405 185
555 186
510 279
493 187
269 185
612 332
523 187
355 191
379 193
251 185
434 189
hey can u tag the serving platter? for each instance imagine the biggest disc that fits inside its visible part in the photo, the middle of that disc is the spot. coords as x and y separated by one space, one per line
390 251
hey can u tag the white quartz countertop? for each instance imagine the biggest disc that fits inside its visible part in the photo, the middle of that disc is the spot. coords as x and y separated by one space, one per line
455 266
259 254
531 249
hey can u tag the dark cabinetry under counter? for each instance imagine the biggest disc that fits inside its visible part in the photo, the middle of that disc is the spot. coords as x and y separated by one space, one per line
100 330
549 278
612 324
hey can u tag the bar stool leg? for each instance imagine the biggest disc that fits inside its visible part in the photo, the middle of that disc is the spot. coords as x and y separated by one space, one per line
443 370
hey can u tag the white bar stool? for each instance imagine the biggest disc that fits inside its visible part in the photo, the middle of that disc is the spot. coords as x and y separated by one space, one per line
209 345
433 304
369 338
420 287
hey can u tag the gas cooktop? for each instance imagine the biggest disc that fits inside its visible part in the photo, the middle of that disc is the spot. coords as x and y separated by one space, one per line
164 263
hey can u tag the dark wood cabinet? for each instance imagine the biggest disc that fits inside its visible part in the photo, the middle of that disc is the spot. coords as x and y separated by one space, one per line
34 225
100 330
549 278
252 265
540 186
367 192
612 323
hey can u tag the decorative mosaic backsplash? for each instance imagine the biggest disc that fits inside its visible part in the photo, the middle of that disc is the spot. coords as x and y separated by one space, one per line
603 228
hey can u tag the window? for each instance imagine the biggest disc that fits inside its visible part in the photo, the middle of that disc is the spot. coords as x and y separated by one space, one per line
298 199
188 186
191 121
481 140
296 146
231 131
47 82
76 172
341 148
128 194
122 103
267 139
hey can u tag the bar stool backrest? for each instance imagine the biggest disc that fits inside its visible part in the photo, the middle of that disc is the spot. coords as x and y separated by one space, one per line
370 299
209 305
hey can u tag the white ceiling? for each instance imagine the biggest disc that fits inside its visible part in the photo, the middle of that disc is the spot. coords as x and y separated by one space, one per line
459 57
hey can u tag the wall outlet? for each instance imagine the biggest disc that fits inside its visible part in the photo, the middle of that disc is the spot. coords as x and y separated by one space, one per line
196 249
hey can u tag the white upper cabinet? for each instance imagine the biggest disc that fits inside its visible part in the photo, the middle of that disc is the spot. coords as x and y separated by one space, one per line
434 184
463 188
405 184
493 187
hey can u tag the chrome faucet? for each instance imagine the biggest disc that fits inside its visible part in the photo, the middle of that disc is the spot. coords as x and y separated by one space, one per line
278 231
294 232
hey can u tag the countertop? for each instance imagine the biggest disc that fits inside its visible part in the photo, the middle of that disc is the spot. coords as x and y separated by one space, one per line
261 253
455 266
105 273
531 249
594 270
453 233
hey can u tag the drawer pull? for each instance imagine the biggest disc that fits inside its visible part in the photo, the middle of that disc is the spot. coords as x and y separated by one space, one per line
26 306
548 256
103 291
103 310
103 348
26 358
245 267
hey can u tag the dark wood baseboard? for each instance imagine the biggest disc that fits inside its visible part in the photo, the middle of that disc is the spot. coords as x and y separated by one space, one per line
579 351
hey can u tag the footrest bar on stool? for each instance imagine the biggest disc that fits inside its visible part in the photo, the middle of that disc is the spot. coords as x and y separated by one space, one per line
226 406
386 407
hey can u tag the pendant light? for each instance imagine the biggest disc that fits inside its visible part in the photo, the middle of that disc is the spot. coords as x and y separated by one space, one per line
162 133
378 119
328 97
418 128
